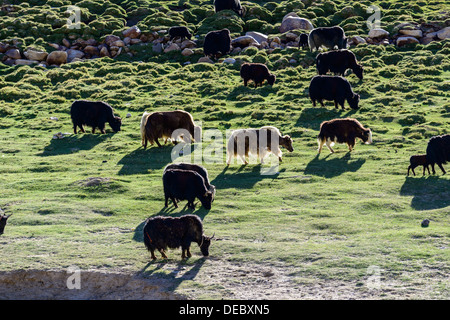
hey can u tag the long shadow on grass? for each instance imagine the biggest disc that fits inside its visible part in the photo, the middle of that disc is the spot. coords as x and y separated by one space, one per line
241 178
314 116
331 166
429 192
141 160
74 143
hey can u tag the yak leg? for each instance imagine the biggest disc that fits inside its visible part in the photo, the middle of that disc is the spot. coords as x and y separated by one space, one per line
432 168
163 254
152 252
328 144
243 159
157 142
81 128
427 169
174 202
442 168
313 102
321 142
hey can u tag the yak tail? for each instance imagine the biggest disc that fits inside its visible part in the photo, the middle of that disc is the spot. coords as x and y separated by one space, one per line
143 123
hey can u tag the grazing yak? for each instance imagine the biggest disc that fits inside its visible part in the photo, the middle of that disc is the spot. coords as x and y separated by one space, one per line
335 88
93 114
342 131
258 142
234 5
161 233
179 32
3 220
256 72
303 42
329 37
438 151
338 61
162 125
217 43
197 168
418 160
186 185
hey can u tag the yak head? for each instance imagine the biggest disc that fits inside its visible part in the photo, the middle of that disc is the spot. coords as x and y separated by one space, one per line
353 101
206 199
3 220
358 70
271 79
115 124
286 141
204 245
367 136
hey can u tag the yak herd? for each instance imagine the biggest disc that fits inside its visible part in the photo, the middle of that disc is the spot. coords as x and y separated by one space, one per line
190 181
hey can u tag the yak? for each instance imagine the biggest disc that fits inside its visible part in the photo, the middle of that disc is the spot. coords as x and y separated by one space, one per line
256 72
186 185
329 37
342 131
303 41
243 142
335 88
181 32
161 233
163 125
217 43
93 114
338 61
3 220
234 5
418 160
194 167
438 151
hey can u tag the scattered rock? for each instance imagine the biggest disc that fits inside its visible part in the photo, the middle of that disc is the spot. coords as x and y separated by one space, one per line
157 47
109 40
172 47
133 32
60 135
402 41
229 60
425 223
260 37
295 22
13 54
378 33
128 115
32 54
104 52
357 40
412 33
25 62
91 50
444 33
187 52
244 41
188 44
72 54
66 43
205 60
57 58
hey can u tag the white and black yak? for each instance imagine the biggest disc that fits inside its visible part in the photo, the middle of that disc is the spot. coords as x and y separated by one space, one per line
334 88
186 185
161 233
258 142
342 131
329 37
338 61
438 151
93 114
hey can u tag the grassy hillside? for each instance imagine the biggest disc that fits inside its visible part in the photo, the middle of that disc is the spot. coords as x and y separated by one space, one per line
321 222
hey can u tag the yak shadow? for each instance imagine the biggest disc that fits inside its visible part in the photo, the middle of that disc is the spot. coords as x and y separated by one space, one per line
312 117
329 168
242 178
141 160
429 192
74 143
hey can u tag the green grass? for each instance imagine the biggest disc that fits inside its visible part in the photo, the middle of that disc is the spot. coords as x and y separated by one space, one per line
321 218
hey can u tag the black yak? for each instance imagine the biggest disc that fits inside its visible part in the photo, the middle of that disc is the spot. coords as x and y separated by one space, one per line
334 88
338 61
163 124
194 167
186 185
179 32
93 114
243 142
234 5
438 151
256 72
3 220
342 131
217 43
303 42
161 233
418 160
328 37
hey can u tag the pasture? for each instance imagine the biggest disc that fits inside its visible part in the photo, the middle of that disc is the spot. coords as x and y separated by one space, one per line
321 227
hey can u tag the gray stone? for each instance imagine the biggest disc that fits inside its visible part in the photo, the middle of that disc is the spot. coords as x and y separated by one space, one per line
292 23
401 41
378 33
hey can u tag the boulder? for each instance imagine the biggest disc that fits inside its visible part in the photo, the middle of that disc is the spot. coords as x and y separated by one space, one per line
13 54
24 62
244 41
91 50
118 43
444 33
357 40
32 54
157 47
378 33
229 60
412 33
187 52
57 58
109 40
260 37
3 47
172 47
401 41
104 52
188 44
205 60
293 22
133 32
66 43
72 54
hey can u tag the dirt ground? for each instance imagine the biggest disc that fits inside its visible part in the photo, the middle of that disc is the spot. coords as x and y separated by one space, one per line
182 281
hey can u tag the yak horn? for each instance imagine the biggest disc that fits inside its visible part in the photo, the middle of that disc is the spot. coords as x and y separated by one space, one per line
212 236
